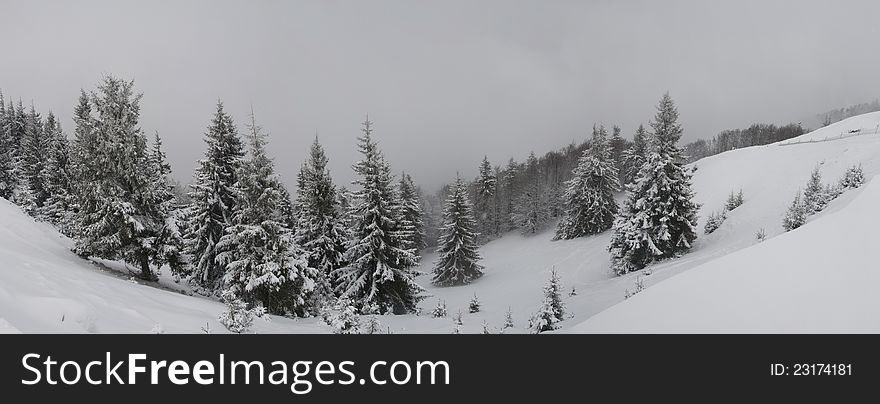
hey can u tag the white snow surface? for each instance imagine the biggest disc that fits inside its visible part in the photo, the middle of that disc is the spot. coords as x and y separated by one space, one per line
820 278
817 278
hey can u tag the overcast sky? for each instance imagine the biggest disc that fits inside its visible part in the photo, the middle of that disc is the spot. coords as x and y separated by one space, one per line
445 82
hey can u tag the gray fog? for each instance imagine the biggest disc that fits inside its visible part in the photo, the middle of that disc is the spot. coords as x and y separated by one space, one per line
444 82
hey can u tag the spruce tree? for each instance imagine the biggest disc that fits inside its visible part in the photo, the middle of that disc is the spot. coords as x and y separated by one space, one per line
119 215
552 310
589 197
16 127
815 197
458 255
474 305
379 274
508 319
213 198
484 206
796 215
530 213
659 217
411 213
634 156
33 161
82 167
264 266
7 152
169 242
617 145
321 229
511 193
56 177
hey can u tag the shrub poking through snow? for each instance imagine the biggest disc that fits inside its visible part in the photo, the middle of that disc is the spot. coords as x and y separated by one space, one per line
344 318
440 310
485 327
817 196
640 286
237 317
713 222
457 318
372 326
853 178
734 200
474 305
761 235
508 320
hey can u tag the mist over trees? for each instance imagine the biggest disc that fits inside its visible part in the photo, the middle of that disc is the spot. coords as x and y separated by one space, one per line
836 115
755 135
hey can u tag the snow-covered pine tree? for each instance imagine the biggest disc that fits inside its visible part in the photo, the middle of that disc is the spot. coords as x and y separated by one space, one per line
510 185
440 309
264 266
344 319
501 218
734 200
796 215
713 222
16 121
508 319
589 198
853 178
321 230
474 304
343 199
456 319
59 206
238 317
169 242
82 167
457 252
659 217
552 310
7 152
530 211
634 156
213 198
815 197
33 161
484 205
379 273
372 326
119 215
411 213
617 145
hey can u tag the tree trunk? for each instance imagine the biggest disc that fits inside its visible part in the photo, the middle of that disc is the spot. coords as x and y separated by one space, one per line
146 272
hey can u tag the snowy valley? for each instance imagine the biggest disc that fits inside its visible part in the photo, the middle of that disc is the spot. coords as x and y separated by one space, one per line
817 278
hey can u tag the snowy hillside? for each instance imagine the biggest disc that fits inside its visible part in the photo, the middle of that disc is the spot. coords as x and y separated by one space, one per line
45 288
818 278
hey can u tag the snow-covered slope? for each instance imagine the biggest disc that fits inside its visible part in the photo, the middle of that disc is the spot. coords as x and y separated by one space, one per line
821 278
815 279
41 282
46 288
